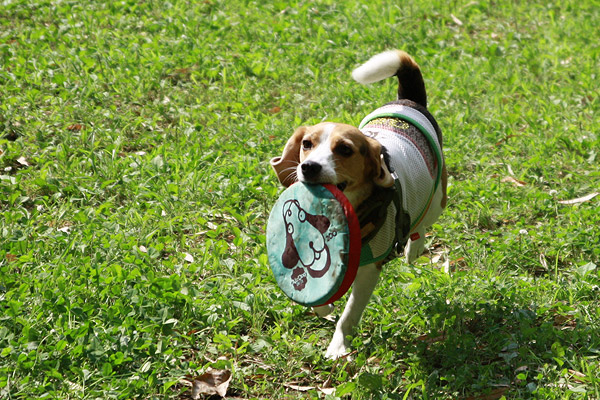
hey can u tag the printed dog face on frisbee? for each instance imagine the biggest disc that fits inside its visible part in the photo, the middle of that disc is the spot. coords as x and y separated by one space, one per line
305 243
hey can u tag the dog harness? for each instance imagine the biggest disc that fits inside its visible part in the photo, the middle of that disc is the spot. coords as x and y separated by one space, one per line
416 166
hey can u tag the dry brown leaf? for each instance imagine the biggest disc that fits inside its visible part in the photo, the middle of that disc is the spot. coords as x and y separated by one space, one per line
565 322
493 395
181 71
456 20
543 261
577 376
11 257
212 225
299 388
430 340
328 391
75 127
460 262
374 360
579 200
505 139
514 181
65 229
510 170
213 381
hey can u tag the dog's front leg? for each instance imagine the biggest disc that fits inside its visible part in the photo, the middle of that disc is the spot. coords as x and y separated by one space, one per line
363 286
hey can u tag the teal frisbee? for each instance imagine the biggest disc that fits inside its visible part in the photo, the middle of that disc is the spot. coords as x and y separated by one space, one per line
313 243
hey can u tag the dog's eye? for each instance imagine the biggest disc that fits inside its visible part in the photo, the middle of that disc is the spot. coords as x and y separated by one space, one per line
307 145
344 150
301 216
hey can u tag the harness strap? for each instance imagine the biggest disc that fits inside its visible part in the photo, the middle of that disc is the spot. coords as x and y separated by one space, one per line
402 220
372 215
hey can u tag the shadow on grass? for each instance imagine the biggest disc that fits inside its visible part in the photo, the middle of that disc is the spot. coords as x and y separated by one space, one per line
486 350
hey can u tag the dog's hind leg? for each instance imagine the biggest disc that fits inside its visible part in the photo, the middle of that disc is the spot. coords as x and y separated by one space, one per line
363 287
415 246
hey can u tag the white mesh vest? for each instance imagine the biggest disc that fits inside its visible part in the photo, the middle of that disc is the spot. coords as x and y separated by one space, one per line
416 159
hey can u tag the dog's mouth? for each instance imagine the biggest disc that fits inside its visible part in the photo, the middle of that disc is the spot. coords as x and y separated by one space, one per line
342 185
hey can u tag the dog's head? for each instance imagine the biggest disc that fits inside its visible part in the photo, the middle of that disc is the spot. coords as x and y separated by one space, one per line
310 251
337 154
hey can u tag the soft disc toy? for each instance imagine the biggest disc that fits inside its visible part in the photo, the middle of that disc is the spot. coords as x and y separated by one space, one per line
313 243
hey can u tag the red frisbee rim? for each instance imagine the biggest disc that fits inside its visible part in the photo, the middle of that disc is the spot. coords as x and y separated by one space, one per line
355 243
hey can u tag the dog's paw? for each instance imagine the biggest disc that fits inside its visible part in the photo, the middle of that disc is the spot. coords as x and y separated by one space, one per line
323 311
337 348
335 353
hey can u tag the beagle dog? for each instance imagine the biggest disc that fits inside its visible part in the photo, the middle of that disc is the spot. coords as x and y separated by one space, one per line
391 168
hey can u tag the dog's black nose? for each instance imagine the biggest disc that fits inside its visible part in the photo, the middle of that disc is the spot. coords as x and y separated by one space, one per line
311 169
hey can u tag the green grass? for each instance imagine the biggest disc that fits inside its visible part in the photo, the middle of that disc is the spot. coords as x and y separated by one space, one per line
135 186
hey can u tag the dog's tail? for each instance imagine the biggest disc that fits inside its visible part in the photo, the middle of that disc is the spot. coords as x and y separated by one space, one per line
395 62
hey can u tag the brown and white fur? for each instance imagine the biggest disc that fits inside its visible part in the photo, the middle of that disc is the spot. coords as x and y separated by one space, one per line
342 155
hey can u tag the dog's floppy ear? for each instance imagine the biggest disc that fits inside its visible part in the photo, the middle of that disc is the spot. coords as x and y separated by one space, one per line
290 256
285 165
375 157
320 222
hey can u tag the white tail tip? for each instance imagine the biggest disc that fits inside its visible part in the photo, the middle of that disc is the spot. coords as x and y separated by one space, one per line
378 67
